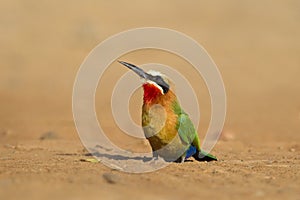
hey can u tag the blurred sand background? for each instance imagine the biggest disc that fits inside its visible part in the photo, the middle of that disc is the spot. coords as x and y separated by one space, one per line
256 45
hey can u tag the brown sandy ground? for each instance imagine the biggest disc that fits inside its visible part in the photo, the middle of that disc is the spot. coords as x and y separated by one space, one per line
256 46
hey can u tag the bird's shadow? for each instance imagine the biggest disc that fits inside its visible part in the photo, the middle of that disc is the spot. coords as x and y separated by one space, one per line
119 157
114 156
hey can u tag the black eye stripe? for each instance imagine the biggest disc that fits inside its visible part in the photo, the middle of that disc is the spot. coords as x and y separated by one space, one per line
160 81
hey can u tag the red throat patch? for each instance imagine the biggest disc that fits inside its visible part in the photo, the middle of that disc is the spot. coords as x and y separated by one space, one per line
151 92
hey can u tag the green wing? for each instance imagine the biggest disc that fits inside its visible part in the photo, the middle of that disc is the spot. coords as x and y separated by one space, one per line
187 132
185 127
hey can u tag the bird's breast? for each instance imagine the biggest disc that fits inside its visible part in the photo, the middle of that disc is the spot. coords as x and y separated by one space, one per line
159 125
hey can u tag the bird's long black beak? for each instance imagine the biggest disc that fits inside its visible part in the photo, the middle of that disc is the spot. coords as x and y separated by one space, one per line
136 69
157 79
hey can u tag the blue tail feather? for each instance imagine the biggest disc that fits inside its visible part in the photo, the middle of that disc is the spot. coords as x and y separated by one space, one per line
199 155
190 152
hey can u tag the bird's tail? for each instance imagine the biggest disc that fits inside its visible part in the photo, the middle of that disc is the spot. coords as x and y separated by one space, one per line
203 156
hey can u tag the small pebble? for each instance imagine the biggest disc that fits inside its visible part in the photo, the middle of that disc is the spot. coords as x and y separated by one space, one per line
48 135
110 178
4 133
292 150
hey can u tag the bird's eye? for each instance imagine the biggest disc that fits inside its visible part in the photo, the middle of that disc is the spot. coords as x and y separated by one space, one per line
162 84
165 88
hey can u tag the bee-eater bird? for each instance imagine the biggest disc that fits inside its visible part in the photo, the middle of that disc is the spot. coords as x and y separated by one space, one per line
167 127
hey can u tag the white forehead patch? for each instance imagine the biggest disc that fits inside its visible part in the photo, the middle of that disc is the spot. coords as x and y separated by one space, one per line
156 85
155 73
